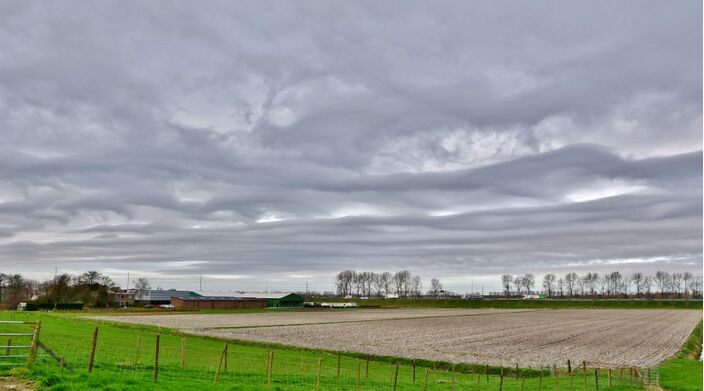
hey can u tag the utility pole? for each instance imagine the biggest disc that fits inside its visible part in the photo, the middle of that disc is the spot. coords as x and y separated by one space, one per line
200 283
56 271
306 288
128 280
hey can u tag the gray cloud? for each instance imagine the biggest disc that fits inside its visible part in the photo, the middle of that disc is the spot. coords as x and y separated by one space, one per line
287 141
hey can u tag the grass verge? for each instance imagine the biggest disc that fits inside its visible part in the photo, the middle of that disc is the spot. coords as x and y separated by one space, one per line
684 371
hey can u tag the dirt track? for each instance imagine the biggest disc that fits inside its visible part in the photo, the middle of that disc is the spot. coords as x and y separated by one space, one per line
607 338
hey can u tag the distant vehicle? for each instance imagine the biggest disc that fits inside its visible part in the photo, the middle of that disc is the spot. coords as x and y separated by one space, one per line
348 297
149 306
21 307
166 306
532 296
364 298
391 296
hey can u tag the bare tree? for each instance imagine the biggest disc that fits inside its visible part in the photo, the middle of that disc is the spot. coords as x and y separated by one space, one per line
3 284
549 284
518 284
613 282
571 281
416 286
686 278
637 279
676 282
581 285
506 281
402 281
591 280
625 285
141 286
386 279
647 283
377 283
561 287
662 280
435 287
528 281
696 286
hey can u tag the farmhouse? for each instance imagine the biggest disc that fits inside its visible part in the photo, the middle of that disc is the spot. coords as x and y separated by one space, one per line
275 300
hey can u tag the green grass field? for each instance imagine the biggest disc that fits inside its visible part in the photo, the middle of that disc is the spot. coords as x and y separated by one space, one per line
684 371
125 356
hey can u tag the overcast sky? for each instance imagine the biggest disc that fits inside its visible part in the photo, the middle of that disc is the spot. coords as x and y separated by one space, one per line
281 142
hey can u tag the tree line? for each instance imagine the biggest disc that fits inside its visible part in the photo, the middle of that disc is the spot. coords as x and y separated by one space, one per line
614 284
402 283
91 288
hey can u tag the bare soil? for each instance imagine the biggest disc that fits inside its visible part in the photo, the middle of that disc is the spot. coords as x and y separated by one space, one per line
605 338
281 318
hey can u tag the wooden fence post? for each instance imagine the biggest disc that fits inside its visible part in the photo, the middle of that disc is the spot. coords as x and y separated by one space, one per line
9 346
92 350
540 380
569 366
414 371
523 383
217 370
62 364
453 377
596 378
479 379
486 372
501 380
425 382
156 358
608 373
271 368
224 361
516 371
35 339
396 378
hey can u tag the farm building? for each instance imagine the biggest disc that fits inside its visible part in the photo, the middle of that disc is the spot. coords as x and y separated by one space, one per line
159 296
216 302
275 300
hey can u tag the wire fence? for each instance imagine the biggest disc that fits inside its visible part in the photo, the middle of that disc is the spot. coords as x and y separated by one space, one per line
84 351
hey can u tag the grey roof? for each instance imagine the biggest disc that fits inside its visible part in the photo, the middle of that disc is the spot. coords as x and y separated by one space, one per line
244 295
161 295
